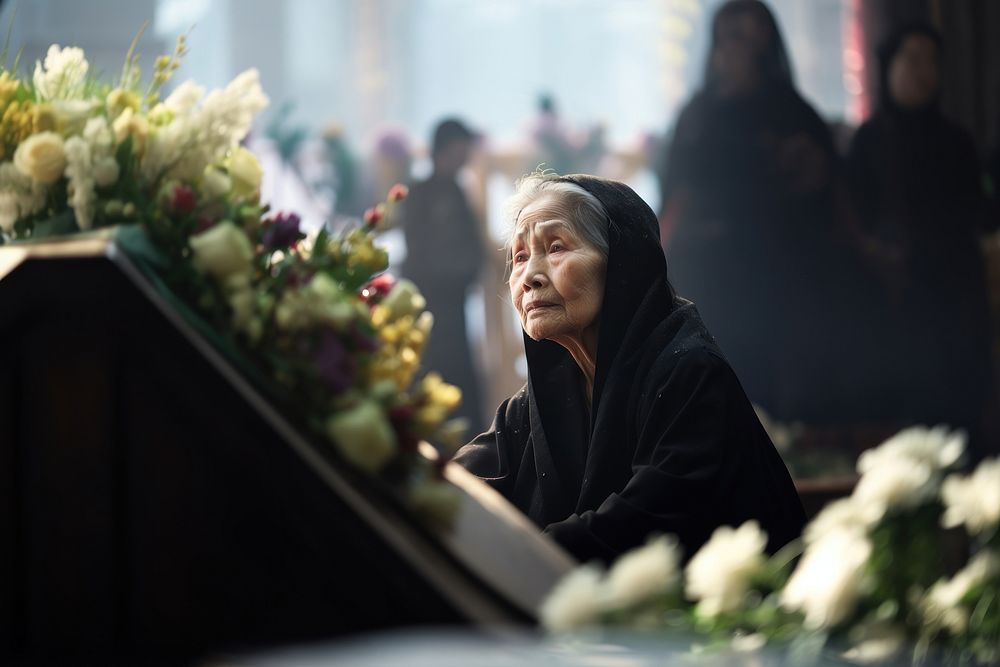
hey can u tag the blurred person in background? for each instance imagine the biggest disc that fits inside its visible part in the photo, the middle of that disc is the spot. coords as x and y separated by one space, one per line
918 188
443 257
747 185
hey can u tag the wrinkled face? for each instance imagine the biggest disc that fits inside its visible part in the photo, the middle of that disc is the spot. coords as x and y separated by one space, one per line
913 73
557 279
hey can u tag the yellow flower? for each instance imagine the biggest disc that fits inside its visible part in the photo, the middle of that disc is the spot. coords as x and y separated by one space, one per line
245 172
17 123
130 124
160 115
403 299
440 392
363 435
118 100
8 88
42 157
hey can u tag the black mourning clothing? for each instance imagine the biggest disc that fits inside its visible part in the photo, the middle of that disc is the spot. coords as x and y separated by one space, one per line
671 443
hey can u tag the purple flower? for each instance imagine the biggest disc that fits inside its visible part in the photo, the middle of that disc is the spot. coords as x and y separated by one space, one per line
334 364
283 231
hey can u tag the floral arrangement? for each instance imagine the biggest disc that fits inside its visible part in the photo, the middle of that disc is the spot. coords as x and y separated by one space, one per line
869 578
325 333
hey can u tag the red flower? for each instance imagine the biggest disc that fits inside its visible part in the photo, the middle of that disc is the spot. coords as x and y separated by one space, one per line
373 216
377 288
184 199
398 192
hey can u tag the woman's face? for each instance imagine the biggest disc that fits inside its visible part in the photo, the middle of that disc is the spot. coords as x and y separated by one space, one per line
557 279
913 72
739 42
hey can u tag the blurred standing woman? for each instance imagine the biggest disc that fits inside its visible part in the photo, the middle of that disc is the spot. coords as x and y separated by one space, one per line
747 209
917 181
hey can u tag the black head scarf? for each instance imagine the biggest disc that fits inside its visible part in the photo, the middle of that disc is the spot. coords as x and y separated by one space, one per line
887 52
773 60
638 297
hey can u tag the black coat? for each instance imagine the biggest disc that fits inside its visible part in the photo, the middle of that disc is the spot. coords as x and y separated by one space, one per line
671 443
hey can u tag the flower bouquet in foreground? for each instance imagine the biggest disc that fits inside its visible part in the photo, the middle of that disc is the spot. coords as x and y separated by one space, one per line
868 582
313 320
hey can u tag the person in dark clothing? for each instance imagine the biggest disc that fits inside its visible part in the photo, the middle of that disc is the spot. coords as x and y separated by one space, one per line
748 213
631 422
444 256
918 189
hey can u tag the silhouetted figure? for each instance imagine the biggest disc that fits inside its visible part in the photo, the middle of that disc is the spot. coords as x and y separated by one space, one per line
917 181
556 149
747 213
444 256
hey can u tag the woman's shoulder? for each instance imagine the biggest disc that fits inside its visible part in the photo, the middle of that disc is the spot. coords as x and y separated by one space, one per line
688 353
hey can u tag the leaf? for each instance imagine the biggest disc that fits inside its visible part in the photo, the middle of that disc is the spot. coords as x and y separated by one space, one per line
134 240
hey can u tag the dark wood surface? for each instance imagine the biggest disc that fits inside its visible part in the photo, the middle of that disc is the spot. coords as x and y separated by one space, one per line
148 509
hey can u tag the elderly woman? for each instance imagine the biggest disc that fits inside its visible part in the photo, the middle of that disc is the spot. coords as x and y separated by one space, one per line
631 422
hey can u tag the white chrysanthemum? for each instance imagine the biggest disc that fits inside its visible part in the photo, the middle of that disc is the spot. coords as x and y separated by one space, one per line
937 448
843 513
203 135
22 195
643 573
942 604
829 579
184 98
902 483
973 500
98 134
719 574
63 74
575 601
80 172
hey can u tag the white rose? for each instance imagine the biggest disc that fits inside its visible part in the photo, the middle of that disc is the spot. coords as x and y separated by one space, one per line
245 172
216 183
363 436
973 500
643 573
106 171
942 606
842 513
222 251
574 602
936 448
719 574
904 483
829 579
42 157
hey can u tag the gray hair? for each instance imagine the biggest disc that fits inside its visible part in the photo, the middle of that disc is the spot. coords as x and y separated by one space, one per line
585 213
